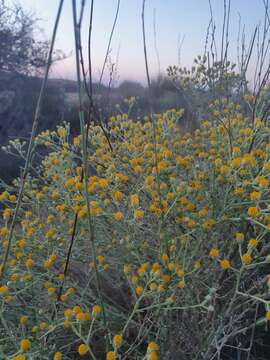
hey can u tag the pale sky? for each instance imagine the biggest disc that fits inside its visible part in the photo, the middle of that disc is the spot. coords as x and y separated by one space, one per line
174 19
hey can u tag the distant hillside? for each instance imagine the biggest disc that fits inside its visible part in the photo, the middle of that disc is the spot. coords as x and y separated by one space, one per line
18 98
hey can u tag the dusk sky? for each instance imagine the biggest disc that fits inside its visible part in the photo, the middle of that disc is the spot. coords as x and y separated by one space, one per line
175 19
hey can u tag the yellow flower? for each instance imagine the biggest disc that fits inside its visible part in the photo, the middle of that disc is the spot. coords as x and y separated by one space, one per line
149 180
96 310
50 233
152 356
225 264
134 279
238 191
117 340
255 195
253 242
253 211
162 165
267 315
166 279
83 349
248 159
54 195
180 272
139 290
191 223
63 297
4 231
101 259
8 299
6 213
137 168
3 290
29 263
239 237
12 198
19 357
76 309
153 286
51 290
246 258
42 325
34 329
263 182
14 277
141 271
138 214
80 316
118 216
61 277
111 355
57 356
236 163
118 195
62 132
127 268
181 284
79 186
134 200
68 313
266 166
3 196
25 345
70 291
164 257
213 253
171 266
76 141
224 169
152 346
70 182
103 183
66 324
23 319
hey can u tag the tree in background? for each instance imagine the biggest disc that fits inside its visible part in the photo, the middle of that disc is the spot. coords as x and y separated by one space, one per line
21 52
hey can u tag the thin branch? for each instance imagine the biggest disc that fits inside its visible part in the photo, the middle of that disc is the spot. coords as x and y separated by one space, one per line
86 172
109 43
155 40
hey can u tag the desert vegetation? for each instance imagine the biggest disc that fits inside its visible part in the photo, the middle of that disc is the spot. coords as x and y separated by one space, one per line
139 229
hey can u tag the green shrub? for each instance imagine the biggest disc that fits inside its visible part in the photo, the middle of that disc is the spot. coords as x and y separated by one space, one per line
173 261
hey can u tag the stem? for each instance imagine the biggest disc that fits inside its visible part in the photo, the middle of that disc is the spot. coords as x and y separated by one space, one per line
85 167
109 43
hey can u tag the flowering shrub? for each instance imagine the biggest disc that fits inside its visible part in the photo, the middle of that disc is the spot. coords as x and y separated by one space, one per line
172 262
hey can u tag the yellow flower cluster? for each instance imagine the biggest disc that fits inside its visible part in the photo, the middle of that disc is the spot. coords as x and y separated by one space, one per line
163 223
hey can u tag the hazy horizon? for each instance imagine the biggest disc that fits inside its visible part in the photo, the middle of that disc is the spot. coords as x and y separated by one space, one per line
176 21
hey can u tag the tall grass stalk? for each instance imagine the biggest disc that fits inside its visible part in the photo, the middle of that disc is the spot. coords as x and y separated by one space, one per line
152 118
85 167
